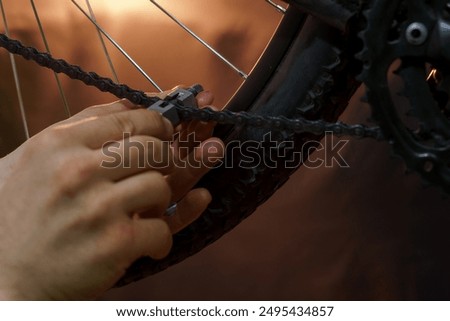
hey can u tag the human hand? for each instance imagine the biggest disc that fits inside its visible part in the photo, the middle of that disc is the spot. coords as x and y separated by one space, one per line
195 153
69 226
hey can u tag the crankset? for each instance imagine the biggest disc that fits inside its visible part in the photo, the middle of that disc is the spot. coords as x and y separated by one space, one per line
410 40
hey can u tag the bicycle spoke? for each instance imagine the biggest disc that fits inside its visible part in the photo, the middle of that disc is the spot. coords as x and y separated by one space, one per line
47 47
276 6
102 41
16 76
122 51
203 42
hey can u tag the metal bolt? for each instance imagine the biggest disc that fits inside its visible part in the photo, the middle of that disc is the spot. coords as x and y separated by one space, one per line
416 33
196 89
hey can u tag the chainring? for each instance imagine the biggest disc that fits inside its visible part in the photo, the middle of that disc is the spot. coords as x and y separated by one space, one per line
414 37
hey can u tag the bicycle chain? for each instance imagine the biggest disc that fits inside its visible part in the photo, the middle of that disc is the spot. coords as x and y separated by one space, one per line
186 113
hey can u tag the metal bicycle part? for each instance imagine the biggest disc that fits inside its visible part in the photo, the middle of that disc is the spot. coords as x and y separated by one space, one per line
413 35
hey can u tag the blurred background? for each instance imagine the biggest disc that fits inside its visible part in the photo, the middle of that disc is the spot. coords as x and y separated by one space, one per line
363 232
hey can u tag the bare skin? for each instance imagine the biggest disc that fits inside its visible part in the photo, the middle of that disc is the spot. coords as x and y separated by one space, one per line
70 227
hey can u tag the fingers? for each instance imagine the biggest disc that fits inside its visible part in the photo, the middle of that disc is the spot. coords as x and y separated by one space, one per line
203 130
97 111
190 134
134 155
197 164
95 131
191 137
205 98
101 110
152 238
147 191
189 209
163 95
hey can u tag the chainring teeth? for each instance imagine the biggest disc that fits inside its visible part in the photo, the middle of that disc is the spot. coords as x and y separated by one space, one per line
364 55
422 153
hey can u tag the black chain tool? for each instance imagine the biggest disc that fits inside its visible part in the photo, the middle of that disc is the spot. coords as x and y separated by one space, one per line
179 108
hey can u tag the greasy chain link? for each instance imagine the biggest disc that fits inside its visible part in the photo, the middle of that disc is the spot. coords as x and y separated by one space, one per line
299 125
